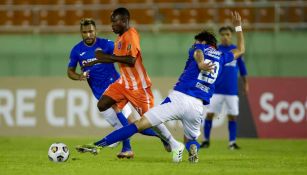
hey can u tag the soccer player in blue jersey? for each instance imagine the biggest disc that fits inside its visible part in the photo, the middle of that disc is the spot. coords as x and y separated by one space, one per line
226 91
194 89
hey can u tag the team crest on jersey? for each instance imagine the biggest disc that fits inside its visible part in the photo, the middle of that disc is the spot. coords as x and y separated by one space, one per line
119 45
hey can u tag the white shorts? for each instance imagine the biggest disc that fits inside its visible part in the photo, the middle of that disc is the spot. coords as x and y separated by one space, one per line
231 104
181 107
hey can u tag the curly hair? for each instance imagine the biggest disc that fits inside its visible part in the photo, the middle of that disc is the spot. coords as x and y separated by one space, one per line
206 36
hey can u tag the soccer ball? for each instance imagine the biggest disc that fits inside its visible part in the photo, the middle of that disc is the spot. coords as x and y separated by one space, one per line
58 152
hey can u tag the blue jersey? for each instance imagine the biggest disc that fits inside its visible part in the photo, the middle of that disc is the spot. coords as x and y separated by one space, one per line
197 83
227 82
101 75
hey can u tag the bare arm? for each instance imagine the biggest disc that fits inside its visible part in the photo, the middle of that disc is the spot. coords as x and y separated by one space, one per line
200 59
240 38
72 74
105 58
245 84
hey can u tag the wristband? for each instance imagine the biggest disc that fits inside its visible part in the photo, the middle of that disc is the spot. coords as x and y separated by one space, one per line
238 29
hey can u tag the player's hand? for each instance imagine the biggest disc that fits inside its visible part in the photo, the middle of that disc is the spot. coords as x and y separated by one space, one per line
236 18
84 76
208 67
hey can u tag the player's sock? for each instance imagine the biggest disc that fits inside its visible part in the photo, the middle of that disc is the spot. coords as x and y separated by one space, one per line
117 121
164 134
123 120
149 132
118 135
111 118
232 127
191 142
207 129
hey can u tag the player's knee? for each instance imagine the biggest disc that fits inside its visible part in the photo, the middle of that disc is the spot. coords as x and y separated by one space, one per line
101 106
143 124
232 117
210 116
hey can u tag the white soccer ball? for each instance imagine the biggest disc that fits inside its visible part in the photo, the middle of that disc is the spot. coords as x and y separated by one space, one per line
58 152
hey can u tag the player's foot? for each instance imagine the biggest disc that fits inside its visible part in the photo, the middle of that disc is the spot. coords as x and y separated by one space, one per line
233 146
91 148
126 154
177 153
205 144
166 145
193 154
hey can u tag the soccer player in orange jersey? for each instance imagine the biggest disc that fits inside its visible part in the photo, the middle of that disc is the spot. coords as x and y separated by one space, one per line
134 84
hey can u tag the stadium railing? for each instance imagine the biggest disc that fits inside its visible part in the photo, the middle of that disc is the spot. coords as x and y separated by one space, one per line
155 16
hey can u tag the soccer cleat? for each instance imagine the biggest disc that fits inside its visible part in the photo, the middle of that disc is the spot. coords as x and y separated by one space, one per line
233 146
126 154
193 154
91 148
205 144
166 145
177 153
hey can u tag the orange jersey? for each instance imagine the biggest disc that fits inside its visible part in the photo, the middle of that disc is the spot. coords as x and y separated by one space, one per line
134 77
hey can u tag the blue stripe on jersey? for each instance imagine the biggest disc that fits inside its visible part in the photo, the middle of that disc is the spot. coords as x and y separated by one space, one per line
200 84
101 75
227 83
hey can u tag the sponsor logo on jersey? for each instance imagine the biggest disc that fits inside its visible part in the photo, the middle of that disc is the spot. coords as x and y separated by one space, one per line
81 54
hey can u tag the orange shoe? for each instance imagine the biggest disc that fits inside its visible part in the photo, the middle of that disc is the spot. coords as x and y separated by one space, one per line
126 154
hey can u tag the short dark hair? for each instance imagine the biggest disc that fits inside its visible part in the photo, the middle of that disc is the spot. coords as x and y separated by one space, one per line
224 28
122 11
87 21
206 36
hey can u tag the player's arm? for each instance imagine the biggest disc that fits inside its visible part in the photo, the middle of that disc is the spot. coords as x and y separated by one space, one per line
236 18
71 68
72 74
106 58
243 73
200 60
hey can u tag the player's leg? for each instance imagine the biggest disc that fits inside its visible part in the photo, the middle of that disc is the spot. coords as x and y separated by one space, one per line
126 151
192 120
153 117
143 101
232 107
111 99
207 130
214 107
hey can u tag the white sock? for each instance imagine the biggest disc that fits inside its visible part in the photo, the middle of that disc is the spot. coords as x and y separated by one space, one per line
111 118
167 136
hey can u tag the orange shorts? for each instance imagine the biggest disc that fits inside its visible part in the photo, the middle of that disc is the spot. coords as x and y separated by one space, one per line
141 99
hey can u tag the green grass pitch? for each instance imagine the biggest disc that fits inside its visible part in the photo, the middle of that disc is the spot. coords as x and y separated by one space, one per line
28 155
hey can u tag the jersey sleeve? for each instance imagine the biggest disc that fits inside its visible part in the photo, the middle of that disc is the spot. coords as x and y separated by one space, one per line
227 57
73 58
242 67
131 45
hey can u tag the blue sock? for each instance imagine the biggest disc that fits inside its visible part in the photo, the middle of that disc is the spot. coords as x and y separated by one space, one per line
190 142
118 135
123 120
207 129
149 132
232 127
